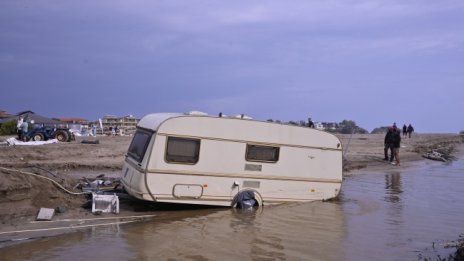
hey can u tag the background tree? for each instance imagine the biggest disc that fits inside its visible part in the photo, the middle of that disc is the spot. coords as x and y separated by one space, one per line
348 127
8 128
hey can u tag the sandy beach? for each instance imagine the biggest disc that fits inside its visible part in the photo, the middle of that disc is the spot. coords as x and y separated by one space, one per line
360 151
22 195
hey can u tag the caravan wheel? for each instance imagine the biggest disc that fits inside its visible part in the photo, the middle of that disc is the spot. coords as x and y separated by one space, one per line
247 199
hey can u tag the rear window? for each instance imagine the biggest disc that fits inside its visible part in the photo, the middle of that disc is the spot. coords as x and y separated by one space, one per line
262 153
181 150
139 145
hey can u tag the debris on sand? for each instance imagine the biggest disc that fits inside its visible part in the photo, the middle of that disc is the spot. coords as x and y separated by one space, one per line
99 185
105 204
45 214
443 154
435 155
15 142
97 141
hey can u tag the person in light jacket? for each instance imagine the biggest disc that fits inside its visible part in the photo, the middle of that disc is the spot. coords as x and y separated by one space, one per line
18 127
24 129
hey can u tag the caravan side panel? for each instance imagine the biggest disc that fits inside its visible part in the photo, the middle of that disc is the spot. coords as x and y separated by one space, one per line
303 172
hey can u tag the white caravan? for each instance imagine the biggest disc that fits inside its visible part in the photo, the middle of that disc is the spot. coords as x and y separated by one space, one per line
223 161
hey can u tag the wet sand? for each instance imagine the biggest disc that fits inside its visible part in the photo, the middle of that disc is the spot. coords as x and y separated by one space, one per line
23 195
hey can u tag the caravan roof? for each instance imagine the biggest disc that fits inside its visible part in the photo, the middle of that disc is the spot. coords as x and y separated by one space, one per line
232 128
152 121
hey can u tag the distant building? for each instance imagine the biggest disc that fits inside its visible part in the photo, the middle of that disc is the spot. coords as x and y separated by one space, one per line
38 119
319 126
4 114
125 125
79 124
73 121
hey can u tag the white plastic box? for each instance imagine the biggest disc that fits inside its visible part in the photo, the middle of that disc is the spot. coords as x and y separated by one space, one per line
105 203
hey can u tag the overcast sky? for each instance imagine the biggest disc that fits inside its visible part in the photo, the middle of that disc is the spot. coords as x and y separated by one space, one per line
375 61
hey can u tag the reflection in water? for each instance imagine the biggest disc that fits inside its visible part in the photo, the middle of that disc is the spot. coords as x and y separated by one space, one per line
393 196
286 232
244 222
394 210
401 216
393 187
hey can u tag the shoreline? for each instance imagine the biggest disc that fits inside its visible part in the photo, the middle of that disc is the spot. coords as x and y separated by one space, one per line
366 151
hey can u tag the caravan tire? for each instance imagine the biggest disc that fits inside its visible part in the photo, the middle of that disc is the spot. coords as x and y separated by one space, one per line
247 199
61 136
38 137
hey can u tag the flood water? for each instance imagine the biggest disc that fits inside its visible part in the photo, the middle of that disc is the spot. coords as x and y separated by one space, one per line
400 214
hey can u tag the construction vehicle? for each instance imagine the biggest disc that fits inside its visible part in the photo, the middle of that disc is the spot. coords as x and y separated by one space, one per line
47 133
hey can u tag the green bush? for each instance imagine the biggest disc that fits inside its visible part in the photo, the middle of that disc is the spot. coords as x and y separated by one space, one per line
8 128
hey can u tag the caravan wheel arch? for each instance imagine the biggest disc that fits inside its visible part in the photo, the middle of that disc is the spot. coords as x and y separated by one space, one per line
256 196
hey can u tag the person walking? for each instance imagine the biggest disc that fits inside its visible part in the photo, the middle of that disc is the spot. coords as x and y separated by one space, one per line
24 130
388 145
19 123
410 130
94 130
310 123
396 142
405 130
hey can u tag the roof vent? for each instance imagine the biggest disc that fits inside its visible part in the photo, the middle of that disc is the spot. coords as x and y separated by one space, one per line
197 113
243 116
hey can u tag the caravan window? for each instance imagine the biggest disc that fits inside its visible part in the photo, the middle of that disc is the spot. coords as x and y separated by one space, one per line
181 150
139 145
262 153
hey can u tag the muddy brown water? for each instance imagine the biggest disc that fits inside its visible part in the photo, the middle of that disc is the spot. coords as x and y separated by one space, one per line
399 214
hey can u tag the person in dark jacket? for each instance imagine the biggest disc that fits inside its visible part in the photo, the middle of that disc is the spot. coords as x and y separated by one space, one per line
388 142
396 142
410 130
310 123
405 130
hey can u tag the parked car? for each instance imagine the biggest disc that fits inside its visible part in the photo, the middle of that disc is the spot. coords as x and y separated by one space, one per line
47 133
